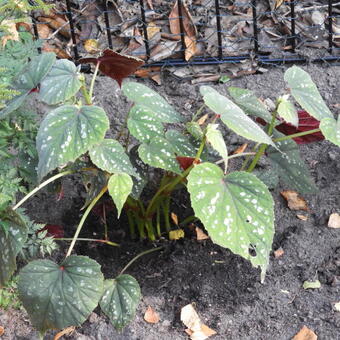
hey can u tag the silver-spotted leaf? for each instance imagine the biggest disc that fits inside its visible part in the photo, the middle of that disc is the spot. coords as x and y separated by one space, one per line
14 104
66 133
215 138
195 130
287 111
181 143
109 155
306 93
233 116
141 169
61 83
237 210
330 128
160 154
58 296
120 300
249 103
13 235
34 72
291 168
143 124
151 100
120 187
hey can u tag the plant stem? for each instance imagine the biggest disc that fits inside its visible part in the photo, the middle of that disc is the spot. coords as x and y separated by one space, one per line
138 256
82 221
237 155
88 240
93 80
150 230
188 219
299 134
83 89
198 112
166 212
43 184
131 224
158 222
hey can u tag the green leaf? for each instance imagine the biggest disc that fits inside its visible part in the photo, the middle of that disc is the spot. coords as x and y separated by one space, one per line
61 83
270 176
120 187
237 210
287 111
330 128
306 93
160 154
142 170
58 296
215 138
195 130
249 103
66 133
143 124
110 156
13 104
34 72
233 116
181 143
120 300
13 235
151 100
291 168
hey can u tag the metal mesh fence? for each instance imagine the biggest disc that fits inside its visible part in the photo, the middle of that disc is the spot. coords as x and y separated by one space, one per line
196 32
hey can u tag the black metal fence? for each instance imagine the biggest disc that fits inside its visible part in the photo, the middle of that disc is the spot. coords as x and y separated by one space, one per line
196 32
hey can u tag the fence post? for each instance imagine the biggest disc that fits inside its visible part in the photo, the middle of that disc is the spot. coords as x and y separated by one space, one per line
107 24
292 24
145 30
255 35
73 36
181 27
330 27
219 29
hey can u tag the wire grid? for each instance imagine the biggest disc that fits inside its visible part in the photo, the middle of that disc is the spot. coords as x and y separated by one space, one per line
224 31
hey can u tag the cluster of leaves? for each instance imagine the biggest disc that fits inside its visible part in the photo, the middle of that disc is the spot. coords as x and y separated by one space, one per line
236 208
9 297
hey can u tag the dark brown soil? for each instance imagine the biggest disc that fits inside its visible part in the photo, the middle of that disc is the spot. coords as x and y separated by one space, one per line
225 288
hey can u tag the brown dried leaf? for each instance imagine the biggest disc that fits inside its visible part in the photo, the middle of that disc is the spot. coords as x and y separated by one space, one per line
174 218
305 334
2 331
278 252
240 149
334 221
295 202
190 45
152 29
44 31
302 217
58 23
151 316
200 235
202 120
91 46
11 32
66 331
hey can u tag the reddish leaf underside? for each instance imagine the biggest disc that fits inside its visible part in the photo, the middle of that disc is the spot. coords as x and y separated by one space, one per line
186 162
54 230
115 65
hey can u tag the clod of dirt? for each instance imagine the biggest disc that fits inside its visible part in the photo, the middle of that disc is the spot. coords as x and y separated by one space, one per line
294 201
302 217
200 235
334 221
278 253
305 334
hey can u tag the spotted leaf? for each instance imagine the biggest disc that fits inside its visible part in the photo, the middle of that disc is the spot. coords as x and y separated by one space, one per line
61 83
215 138
330 128
143 124
58 296
306 93
142 170
195 130
120 187
120 300
287 111
233 116
66 133
237 210
181 143
160 154
13 104
110 156
34 72
249 103
152 101
13 234
291 168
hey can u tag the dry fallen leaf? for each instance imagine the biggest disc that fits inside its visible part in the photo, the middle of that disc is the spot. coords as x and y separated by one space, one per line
91 46
305 334
202 120
200 235
151 316
302 217
176 234
336 307
11 32
66 331
240 149
196 329
334 221
278 252
174 218
152 29
2 331
295 202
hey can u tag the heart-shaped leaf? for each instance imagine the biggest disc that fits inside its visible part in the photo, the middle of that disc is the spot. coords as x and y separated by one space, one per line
34 72
110 156
14 104
58 296
233 116
158 106
251 105
330 128
13 235
120 187
120 299
181 143
292 170
143 124
237 210
66 133
215 138
141 169
306 93
160 154
61 83
287 111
